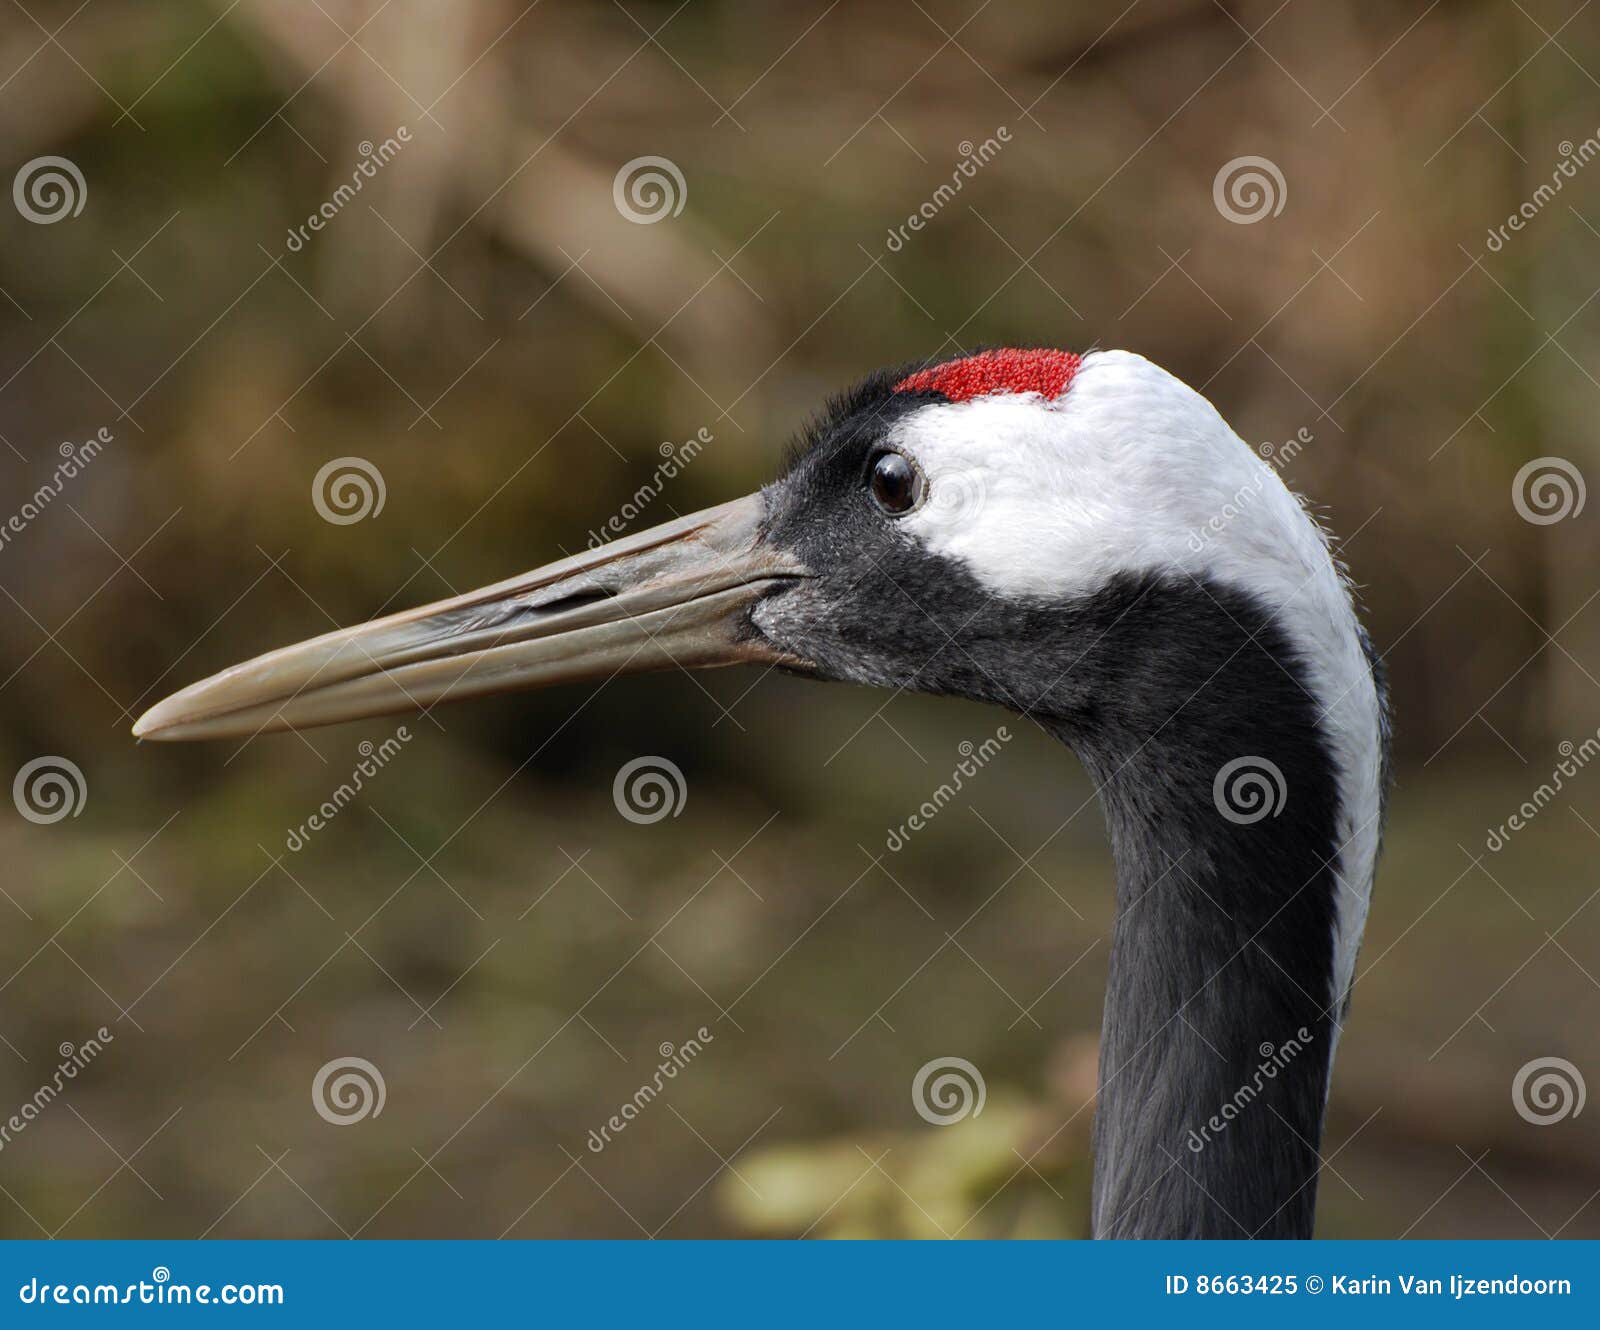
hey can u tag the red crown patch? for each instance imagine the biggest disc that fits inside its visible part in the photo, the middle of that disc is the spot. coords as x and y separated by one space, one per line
1048 373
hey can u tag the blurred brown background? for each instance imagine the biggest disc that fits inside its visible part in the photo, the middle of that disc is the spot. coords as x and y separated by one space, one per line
483 324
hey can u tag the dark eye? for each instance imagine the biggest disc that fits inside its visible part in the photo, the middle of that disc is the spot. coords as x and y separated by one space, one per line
896 486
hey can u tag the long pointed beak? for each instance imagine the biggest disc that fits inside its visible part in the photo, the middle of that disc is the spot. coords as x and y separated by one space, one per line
678 594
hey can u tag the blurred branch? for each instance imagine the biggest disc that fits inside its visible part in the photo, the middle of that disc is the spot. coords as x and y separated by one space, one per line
549 201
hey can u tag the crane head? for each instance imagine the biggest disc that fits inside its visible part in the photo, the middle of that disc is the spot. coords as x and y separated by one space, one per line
931 524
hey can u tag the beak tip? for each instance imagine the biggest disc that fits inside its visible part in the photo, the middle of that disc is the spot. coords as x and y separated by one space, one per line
156 725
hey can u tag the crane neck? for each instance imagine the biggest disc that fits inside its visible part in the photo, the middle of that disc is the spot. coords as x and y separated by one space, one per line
1222 801
1217 1035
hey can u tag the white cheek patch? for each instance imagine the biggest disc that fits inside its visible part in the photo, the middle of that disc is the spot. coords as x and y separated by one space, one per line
1133 471
1125 472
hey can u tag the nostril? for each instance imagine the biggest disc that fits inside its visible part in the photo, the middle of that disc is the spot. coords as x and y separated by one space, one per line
577 600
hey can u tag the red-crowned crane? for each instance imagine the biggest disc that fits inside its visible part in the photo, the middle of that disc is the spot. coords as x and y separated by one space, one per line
1083 540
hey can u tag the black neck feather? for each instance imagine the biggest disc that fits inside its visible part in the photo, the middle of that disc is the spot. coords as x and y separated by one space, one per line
1216 1042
